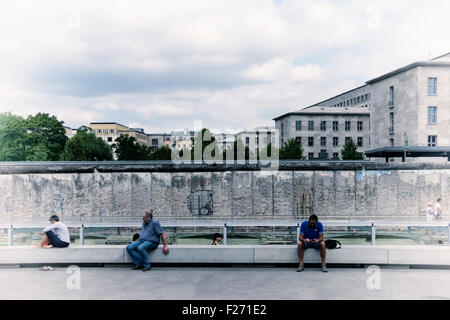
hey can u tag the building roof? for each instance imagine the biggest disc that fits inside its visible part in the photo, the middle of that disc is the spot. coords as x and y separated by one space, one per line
322 110
417 151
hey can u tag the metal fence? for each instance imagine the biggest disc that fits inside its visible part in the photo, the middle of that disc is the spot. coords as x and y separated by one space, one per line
226 225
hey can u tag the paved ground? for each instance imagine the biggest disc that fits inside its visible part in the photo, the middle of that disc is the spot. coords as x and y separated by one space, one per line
224 283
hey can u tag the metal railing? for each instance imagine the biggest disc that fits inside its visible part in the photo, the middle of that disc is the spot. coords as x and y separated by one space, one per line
225 225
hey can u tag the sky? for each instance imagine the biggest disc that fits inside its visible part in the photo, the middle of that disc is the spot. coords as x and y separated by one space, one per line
225 65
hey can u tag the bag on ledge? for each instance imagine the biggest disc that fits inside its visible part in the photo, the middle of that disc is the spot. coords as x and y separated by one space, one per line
331 244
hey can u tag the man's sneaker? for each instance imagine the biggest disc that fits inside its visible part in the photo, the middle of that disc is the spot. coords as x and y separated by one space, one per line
300 268
147 269
324 268
137 267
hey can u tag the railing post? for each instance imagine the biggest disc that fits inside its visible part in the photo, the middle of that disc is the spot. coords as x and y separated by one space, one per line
82 235
225 237
10 235
449 233
374 234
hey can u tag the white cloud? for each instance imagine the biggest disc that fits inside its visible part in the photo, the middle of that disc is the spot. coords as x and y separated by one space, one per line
232 64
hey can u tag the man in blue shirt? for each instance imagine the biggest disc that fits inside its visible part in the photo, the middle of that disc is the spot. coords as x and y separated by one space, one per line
311 236
148 240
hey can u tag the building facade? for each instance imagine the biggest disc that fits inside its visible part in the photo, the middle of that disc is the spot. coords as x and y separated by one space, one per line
407 107
257 139
322 131
110 131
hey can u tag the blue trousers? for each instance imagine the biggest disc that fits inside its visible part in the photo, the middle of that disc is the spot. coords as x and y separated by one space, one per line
139 252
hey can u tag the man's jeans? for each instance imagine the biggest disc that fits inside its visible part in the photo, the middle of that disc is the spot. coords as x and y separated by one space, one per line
138 252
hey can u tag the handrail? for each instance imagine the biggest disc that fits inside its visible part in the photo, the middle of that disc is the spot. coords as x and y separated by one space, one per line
229 224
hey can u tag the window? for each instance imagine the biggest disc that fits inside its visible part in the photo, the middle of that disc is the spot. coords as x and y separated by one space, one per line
335 125
311 155
310 141
391 140
360 126
310 125
391 122
323 141
109 139
348 126
154 142
111 131
99 131
432 115
105 130
282 127
391 96
335 141
347 139
323 125
298 125
336 155
299 140
432 86
360 141
432 141
247 141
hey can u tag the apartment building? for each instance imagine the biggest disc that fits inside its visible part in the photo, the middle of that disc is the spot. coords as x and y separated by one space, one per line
110 131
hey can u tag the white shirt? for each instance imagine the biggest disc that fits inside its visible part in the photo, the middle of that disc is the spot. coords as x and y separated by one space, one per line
60 230
436 207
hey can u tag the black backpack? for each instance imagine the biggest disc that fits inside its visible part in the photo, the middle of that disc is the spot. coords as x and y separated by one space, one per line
331 244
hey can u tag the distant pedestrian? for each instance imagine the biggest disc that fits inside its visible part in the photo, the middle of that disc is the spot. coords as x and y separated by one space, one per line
437 209
149 239
55 235
429 212
217 238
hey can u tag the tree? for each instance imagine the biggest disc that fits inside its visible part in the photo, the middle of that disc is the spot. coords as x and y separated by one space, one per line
239 151
349 151
46 138
13 134
292 150
85 146
268 151
162 153
126 148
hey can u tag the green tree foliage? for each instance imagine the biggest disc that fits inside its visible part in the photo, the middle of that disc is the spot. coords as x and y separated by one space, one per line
349 151
126 148
46 138
85 146
162 153
269 151
292 150
13 134
239 151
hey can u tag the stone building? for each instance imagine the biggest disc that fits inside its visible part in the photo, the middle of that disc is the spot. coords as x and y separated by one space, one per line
110 131
257 139
322 131
409 109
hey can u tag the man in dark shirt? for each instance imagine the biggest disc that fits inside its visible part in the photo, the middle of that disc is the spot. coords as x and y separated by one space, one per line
311 236
148 240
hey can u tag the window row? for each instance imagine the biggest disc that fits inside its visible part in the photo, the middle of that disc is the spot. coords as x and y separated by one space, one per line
311 155
323 125
353 101
105 130
323 141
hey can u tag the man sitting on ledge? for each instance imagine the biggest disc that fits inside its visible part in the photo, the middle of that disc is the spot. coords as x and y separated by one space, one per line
148 240
311 236
55 235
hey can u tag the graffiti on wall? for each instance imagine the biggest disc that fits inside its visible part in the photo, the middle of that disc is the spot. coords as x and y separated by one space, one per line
201 202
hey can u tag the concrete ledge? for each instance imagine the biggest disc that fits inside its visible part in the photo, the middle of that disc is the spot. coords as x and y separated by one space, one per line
256 254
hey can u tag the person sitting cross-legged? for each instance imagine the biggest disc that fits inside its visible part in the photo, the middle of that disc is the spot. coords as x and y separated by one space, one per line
311 236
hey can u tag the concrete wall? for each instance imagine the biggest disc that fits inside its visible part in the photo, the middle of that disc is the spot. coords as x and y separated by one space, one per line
123 191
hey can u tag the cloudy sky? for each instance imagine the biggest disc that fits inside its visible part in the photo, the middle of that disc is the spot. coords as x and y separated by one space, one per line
163 65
